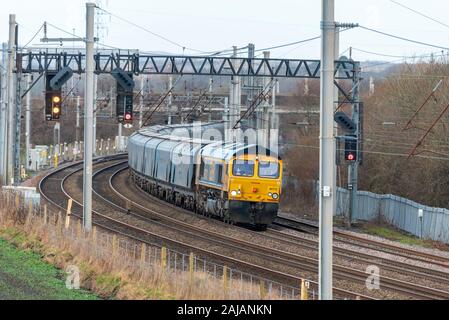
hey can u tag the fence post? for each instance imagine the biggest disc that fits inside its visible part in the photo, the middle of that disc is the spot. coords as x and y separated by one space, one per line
59 224
128 206
163 257
7 199
143 251
114 245
78 228
45 213
69 213
191 268
262 289
17 201
94 235
29 212
225 281
30 207
304 289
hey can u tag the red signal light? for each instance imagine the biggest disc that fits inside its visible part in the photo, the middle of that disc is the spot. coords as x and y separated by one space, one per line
128 116
351 157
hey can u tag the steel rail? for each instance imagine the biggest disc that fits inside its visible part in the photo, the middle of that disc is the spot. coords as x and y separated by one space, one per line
369 243
128 227
342 272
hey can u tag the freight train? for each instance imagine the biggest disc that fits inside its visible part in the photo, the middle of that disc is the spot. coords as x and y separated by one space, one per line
233 181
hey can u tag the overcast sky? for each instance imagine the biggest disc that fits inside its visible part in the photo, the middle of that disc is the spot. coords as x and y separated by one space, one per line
210 25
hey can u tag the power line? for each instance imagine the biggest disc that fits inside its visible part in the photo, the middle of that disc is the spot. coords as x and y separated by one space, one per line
296 43
77 36
404 58
288 44
183 47
37 32
403 39
394 154
216 52
65 31
420 13
395 56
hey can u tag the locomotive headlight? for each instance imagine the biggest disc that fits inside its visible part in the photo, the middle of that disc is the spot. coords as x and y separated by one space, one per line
270 194
233 193
275 196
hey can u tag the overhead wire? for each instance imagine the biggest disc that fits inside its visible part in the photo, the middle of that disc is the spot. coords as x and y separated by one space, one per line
394 154
175 43
403 38
79 37
33 37
403 59
420 13
396 56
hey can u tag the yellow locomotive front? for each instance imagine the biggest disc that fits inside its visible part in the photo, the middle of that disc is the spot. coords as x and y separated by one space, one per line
254 188
255 178
239 183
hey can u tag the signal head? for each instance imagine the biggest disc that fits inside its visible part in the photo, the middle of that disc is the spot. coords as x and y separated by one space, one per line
56 99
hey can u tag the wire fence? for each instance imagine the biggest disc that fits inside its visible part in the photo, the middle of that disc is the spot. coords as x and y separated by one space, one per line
43 156
193 270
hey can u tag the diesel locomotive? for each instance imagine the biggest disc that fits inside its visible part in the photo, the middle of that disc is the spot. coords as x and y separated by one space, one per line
235 182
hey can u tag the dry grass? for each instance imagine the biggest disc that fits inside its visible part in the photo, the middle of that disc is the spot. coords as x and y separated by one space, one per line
105 267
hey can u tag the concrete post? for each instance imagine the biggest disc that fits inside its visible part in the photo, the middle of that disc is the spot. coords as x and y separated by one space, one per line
170 100
11 102
77 124
236 98
141 102
264 117
3 118
226 118
17 128
88 118
211 81
327 150
28 122
95 96
119 143
274 117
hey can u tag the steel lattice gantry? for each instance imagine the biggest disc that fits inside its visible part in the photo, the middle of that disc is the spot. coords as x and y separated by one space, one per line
136 63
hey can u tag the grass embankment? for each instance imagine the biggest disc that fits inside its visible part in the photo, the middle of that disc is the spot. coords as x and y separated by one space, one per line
24 276
388 232
104 269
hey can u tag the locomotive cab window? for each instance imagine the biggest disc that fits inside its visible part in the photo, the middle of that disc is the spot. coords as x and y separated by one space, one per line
268 169
244 168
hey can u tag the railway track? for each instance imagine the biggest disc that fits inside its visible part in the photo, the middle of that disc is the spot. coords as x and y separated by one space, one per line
342 272
281 257
211 238
385 264
52 189
367 243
